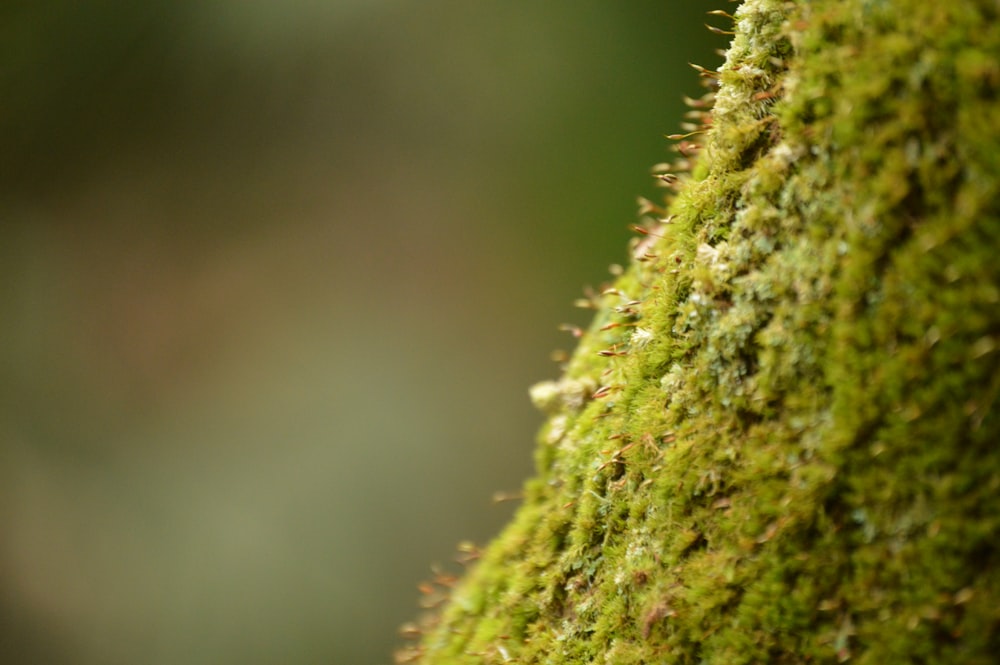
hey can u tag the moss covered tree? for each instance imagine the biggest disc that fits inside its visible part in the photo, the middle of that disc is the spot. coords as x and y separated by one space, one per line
778 440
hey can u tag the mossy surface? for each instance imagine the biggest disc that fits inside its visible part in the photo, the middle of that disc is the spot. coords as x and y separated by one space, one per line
778 441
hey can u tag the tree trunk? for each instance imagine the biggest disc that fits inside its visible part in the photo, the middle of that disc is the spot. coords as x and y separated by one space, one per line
777 442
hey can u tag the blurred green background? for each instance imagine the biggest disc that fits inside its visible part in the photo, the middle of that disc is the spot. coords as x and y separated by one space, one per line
275 280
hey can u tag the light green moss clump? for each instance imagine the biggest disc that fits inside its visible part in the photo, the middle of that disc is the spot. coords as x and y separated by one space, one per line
778 441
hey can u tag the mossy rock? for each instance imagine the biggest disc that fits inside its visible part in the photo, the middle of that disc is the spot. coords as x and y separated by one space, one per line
778 441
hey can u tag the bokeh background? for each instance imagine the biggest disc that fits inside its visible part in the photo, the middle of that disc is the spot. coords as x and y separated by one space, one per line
275 280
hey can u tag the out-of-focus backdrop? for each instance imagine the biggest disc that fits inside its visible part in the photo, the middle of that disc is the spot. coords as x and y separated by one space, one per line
274 281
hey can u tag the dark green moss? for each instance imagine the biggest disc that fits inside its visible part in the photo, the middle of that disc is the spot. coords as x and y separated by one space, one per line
778 440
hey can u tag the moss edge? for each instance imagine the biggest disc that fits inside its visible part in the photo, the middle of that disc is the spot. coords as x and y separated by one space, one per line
777 442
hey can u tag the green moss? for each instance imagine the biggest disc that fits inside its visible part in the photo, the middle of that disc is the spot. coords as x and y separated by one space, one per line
777 441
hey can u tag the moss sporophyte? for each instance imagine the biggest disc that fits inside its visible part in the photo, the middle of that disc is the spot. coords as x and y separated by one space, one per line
777 441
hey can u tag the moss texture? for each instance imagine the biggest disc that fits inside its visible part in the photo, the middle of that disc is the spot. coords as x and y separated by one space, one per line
778 440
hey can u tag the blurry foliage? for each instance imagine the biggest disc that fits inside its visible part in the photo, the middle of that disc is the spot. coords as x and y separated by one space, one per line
232 234
75 77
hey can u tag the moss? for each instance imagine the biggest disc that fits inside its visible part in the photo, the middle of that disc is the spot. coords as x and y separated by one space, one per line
777 440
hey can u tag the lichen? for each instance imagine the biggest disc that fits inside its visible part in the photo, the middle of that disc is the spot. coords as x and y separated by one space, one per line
776 442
